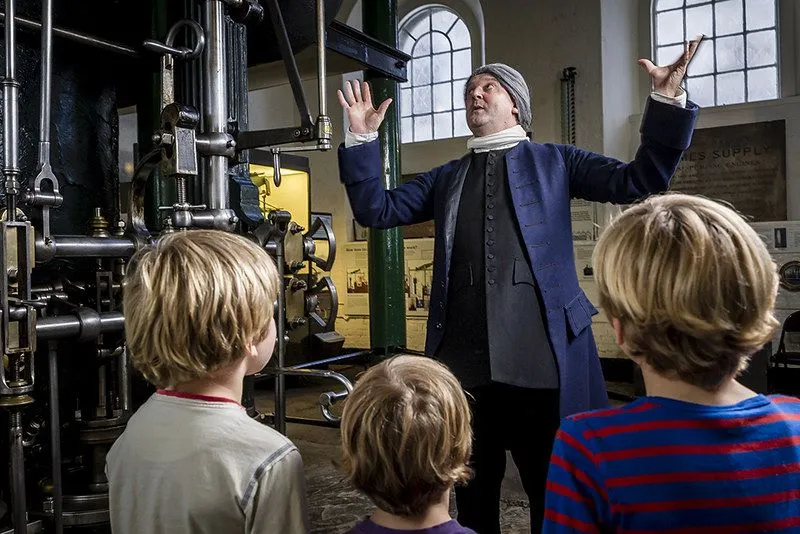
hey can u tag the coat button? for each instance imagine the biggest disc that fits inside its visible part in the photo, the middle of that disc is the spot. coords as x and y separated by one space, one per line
441 305
438 326
490 256
490 242
490 206
491 281
490 229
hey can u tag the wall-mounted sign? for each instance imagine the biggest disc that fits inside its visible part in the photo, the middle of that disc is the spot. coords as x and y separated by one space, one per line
743 164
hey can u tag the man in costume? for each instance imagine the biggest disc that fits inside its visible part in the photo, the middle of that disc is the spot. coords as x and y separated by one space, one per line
507 315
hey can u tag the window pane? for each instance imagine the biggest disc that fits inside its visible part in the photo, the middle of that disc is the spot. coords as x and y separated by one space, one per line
440 42
703 61
762 84
418 24
699 20
728 16
730 53
441 68
690 2
459 35
461 127
458 94
669 27
442 19
730 88
462 64
405 102
666 55
421 71
423 46
761 48
406 130
422 128
441 97
661 5
405 42
760 14
422 100
442 125
701 90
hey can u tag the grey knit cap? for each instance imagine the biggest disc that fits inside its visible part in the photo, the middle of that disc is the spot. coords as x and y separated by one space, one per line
513 82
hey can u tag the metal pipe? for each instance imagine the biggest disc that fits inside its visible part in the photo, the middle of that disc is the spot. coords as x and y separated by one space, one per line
215 102
55 437
321 56
73 246
77 37
11 114
66 326
20 512
280 322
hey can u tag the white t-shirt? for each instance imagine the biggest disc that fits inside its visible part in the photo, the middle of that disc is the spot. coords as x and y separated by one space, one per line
193 464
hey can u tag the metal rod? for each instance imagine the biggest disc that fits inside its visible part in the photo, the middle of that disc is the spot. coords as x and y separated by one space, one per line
67 326
55 437
47 61
321 55
77 37
11 114
20 512
333 359
280 321
124 381
215 102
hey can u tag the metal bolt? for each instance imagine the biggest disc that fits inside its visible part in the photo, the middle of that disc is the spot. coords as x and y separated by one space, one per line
234 219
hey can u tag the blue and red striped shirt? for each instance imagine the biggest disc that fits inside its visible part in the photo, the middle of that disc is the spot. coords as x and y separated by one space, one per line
662 465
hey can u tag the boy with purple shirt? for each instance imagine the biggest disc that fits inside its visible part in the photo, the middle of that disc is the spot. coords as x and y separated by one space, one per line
406 439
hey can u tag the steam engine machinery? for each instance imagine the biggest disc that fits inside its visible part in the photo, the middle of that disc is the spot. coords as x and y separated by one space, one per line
67 387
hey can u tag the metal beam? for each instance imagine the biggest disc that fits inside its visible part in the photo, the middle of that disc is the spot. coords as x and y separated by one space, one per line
372 53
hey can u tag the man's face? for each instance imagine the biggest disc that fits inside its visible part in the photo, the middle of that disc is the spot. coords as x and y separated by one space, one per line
490 108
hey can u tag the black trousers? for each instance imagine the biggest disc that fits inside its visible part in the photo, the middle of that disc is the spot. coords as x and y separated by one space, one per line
523 421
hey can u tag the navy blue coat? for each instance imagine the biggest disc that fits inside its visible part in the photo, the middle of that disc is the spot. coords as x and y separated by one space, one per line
542 179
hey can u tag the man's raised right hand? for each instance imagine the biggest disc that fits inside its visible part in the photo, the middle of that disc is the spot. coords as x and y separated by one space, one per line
364 118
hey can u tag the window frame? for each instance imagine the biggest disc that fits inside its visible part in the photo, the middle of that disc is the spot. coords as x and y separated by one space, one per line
429 11
778 64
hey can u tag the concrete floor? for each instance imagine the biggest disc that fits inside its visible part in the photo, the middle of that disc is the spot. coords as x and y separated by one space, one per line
334 505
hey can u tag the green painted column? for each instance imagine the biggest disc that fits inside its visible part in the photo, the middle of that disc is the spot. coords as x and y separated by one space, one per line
386 265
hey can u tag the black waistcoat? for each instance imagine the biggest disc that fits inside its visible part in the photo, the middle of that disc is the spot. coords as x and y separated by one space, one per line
494 318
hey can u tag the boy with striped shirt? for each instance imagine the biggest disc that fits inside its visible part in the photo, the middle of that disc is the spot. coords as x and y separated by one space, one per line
689 289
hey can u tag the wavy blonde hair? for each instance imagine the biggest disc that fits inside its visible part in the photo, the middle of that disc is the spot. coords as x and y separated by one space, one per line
406 435
692 284
194 302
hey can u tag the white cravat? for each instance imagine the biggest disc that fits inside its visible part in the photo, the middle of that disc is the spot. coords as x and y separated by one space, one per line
507 138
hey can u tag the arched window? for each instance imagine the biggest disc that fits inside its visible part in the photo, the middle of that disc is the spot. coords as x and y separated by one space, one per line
432 100
738 60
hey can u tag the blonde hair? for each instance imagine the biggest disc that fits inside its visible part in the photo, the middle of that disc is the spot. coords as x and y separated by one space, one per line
195 302
406 435
692 284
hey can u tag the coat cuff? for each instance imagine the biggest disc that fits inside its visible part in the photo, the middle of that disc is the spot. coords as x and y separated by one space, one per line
360 163
668 124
